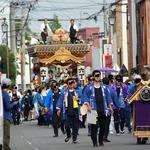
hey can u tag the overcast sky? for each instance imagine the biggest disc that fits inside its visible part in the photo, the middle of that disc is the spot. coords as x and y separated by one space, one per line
67 9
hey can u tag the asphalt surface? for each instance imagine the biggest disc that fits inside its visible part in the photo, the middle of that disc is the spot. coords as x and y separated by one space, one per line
29 136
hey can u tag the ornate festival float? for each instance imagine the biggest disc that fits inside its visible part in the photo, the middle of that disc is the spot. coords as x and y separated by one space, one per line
60 56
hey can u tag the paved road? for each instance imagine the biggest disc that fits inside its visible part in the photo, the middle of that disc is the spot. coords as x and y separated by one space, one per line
29 136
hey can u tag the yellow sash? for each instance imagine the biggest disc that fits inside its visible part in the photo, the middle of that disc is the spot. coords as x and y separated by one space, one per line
75 102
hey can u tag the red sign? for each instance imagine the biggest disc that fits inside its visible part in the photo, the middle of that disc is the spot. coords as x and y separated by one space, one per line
108 61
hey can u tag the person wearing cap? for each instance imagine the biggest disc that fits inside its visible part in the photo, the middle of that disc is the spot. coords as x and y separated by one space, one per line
68 103
137 82
121 92
129 107
98 98
132 89
7 112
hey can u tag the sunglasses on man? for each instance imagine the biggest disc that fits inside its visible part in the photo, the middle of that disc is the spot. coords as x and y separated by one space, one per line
97 75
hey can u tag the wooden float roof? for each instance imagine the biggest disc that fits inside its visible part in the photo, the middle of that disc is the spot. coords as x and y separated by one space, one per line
75 49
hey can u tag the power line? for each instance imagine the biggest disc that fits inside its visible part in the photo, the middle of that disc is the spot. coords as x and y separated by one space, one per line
65 8
93 16
2 10
62 2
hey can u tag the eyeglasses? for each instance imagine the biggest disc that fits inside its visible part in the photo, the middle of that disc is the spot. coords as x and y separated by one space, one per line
97 75
55 87
119 80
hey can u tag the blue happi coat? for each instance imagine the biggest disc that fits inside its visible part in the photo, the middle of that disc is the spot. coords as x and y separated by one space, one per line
79 93
61 104
49 101
115 102
123 94
39 100
89 97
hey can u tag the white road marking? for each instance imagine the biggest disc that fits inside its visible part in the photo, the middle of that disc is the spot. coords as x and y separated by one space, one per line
28 142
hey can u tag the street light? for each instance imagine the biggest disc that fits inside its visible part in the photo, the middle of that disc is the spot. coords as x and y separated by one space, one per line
18 39
112 18
4 27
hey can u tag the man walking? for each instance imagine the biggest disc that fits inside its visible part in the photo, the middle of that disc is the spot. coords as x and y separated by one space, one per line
120 92
69 104
98 98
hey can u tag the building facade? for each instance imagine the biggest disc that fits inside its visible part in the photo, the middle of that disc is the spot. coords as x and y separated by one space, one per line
94 56
139 35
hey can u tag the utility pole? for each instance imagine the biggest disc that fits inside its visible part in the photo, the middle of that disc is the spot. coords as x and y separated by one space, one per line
12 27
8 74
105 33
23 12
104 11
24 19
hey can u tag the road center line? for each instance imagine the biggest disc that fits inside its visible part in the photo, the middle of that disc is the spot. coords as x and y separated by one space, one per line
29 143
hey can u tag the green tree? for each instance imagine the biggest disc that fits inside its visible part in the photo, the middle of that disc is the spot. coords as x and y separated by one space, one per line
28 31
12 66
55 24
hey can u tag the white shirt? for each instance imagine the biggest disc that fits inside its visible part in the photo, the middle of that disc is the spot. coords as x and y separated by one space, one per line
75 27
43 26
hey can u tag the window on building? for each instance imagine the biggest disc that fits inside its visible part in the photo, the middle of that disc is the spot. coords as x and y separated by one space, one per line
142 30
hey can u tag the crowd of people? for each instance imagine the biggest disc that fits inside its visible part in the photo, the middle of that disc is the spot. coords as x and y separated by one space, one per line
59 104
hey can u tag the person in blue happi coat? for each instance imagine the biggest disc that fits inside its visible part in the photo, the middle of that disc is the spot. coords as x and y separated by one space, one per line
69 104
107 82
38 102
98 98
121 92
50 103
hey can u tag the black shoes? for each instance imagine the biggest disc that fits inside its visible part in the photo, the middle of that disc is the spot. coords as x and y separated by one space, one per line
101 144
63 132
106 140
75 142
55 135
67 139
95 145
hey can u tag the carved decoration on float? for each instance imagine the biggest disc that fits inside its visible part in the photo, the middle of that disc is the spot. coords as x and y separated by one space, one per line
62 55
